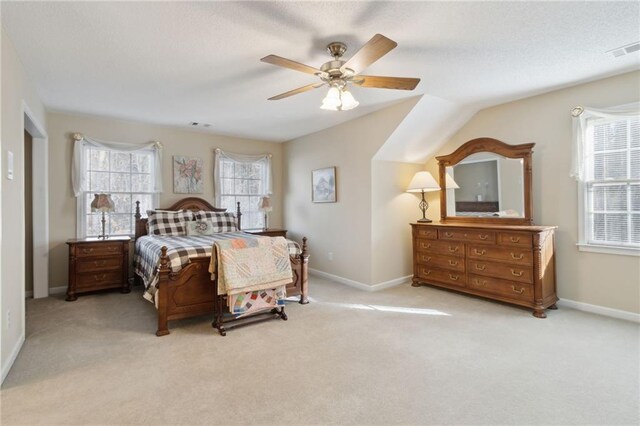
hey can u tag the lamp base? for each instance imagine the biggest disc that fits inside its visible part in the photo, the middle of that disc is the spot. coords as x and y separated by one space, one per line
424 221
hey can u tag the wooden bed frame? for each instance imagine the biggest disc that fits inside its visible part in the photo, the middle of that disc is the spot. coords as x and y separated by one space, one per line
191 292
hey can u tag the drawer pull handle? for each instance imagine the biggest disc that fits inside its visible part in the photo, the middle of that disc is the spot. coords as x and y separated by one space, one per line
483 237
515 239
517 274
426 258
480 283
426 271
481 267
479 252
453 249
98 278
87 250
514 257
513 287
104 262
454 277
448 234
425 245
453 262
111 248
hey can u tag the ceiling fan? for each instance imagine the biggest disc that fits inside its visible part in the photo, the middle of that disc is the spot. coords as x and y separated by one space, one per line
337 74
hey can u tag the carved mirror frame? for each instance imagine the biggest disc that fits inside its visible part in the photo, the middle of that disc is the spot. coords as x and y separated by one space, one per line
495 146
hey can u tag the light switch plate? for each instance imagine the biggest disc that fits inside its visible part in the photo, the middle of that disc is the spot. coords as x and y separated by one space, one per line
9 165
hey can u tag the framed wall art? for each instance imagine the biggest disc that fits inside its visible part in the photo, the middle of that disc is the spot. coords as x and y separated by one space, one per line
323 185
187 175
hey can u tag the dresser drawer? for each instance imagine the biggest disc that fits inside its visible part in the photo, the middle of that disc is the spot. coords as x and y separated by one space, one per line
445 262
428 233
523 274
98 249
428 274
440 247
99 279
505 288
97 265
514 255
521 239
472 235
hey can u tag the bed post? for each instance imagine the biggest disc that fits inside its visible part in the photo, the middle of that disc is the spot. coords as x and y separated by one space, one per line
304 273
163 282
137 280
238 215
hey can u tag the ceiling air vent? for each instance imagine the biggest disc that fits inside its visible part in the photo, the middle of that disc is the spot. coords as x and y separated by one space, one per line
196 124
625 50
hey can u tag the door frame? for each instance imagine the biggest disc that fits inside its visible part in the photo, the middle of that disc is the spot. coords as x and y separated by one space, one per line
40 195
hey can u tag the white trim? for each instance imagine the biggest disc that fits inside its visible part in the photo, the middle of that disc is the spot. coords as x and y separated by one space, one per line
40 202
52 290
625 251
600 310
12 357
358 284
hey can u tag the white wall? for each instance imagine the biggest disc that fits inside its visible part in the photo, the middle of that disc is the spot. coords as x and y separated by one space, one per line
343 228
607 280
175 141
16 90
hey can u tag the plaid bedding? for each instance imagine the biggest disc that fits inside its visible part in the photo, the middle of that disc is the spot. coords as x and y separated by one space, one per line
180 249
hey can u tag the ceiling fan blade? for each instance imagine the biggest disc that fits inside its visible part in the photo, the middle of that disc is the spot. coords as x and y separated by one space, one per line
398 83
288 63
296 91
373 50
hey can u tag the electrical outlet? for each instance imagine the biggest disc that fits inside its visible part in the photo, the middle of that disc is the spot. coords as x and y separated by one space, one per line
8 320
330 255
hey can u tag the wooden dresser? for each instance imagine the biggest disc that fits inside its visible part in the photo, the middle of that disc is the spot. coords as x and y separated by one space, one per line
97 264
510 263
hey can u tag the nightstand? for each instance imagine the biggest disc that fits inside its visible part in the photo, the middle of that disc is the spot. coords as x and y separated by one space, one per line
270 232
97 264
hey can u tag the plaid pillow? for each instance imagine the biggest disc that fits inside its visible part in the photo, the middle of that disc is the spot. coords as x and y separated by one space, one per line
221 222
168 223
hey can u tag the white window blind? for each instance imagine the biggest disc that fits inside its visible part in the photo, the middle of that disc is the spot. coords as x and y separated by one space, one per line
612 182
128 177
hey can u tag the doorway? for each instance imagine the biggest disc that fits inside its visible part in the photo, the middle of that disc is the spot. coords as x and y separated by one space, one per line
28 214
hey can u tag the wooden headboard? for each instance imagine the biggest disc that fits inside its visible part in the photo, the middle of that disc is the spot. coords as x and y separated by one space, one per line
189 203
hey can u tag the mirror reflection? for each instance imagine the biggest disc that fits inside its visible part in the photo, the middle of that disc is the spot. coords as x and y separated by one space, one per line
486 185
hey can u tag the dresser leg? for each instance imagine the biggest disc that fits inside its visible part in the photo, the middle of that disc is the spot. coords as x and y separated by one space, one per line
71 297
553 307
414 282
539 313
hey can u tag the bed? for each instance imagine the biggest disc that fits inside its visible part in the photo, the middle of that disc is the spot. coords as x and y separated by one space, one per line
184 288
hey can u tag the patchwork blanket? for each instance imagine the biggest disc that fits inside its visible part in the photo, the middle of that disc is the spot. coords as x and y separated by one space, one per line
180 250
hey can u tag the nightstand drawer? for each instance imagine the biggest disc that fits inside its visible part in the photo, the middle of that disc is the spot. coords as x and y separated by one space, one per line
98 265
99 279
98 249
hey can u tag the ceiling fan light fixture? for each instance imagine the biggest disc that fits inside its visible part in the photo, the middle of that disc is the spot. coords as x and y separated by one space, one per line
331 102
348 101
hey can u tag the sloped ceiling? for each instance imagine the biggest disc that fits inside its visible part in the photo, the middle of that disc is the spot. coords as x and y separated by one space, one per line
176 62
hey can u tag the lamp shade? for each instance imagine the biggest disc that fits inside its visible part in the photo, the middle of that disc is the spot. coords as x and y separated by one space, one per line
423 181
102 203
450 183
265 204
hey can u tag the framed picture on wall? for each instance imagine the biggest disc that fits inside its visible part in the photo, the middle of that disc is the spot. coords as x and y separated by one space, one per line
323 185
187 175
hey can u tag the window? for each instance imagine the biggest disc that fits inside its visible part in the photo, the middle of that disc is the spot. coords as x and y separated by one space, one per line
244 179
127 176
611 183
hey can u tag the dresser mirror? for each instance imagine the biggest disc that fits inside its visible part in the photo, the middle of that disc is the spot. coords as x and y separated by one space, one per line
487 181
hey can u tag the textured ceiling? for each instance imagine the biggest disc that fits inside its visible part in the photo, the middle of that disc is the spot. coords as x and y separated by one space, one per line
177 62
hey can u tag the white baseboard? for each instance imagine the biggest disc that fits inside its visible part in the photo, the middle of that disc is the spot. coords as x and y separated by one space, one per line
12 357
600 310
358 284
52 290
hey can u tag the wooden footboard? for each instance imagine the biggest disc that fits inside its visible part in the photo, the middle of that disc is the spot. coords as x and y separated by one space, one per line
191 292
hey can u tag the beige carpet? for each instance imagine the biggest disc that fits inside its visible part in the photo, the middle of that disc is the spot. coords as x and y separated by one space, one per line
349 357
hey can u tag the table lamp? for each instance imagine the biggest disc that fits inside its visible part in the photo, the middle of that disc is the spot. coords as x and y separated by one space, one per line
423 182
103 203
265 206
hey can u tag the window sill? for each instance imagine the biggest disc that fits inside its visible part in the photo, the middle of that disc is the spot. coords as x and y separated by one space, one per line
625 251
